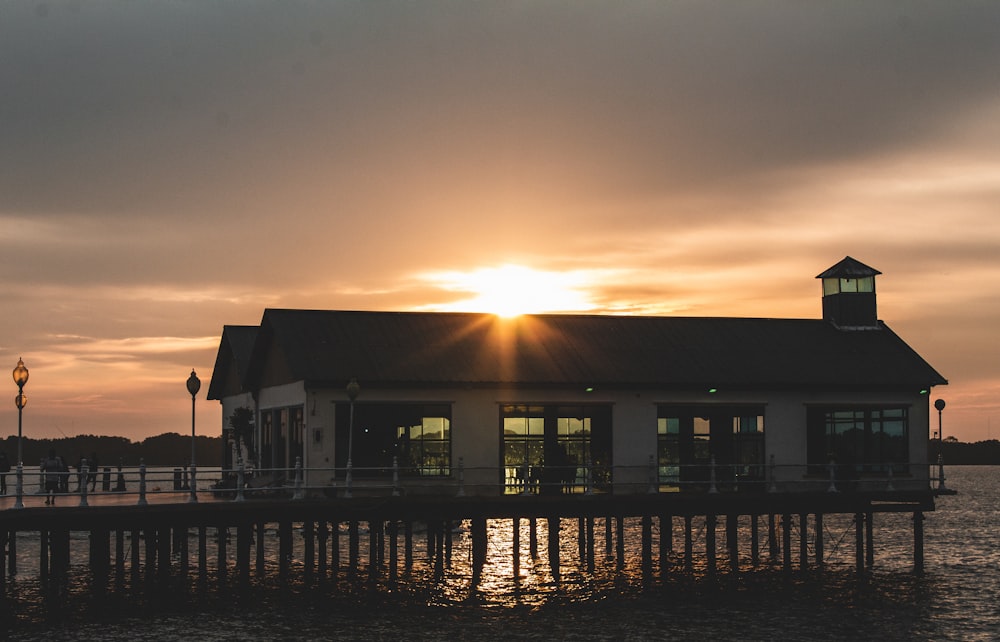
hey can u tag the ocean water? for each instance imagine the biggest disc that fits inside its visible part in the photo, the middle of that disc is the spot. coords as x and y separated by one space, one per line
957 597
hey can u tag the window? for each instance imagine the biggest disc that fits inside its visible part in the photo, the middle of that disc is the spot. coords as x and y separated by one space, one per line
690 438
838 285
425 446
553 448
416 437
863 439
281 436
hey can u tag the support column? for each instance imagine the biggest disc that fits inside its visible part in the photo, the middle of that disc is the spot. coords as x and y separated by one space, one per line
869 539
309 548
710 523
732 542
393 551
183 546
322 540
772 539
609 540
803 541
284 547
859 542
222 565
335 548
260 549
553 538
647 548
819 539
202 554
353 545
688 544
516 547
754 541
786 540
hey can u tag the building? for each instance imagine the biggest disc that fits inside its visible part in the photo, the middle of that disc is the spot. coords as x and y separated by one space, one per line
562 403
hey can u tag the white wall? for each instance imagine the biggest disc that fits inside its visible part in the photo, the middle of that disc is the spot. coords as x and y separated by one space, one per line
476 439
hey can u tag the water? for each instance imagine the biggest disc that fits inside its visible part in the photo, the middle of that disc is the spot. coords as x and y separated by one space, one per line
956 599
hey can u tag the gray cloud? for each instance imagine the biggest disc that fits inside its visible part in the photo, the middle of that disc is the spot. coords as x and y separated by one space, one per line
167 167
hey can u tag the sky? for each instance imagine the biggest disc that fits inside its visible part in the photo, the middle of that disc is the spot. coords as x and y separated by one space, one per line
168 168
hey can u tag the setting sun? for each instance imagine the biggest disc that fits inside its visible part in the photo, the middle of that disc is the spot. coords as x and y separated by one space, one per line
510 290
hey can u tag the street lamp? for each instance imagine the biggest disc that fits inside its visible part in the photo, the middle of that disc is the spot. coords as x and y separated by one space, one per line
353 388
20 378
939 405
193 386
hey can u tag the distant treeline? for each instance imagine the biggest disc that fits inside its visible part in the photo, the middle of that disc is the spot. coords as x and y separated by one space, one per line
172 449
169 449
960 453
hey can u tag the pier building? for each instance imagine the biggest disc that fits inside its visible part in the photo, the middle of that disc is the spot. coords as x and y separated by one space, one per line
583 403
349 421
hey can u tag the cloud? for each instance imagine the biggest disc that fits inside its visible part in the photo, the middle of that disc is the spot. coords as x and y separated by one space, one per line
168 168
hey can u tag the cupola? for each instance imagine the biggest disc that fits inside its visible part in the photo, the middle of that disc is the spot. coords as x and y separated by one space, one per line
849 295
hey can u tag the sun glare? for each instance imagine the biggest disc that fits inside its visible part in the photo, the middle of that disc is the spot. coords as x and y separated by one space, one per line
510 290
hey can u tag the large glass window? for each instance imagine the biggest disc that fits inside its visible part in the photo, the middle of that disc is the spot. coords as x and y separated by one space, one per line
554 448
858 439
691 438
416 436
281 436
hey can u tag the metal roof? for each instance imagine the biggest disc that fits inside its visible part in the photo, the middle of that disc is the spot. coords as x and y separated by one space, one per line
232 360
848 268
325 348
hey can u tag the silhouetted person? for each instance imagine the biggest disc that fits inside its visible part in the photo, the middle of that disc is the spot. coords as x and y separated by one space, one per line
4 469
92 467
81 477
52 468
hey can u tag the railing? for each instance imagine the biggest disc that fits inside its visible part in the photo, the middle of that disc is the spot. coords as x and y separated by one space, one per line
142 485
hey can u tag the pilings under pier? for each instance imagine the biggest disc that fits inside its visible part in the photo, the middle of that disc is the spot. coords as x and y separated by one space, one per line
153 542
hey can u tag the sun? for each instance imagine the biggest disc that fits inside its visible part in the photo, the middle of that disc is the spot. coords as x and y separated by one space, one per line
511 290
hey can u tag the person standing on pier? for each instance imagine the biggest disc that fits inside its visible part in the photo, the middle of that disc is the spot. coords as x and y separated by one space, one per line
52 468
81 478
92 467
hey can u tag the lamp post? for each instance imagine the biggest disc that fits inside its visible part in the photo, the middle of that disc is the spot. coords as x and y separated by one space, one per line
353 388
939 405
193 386
20 378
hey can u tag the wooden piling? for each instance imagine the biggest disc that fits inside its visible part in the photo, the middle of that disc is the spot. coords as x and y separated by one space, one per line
710 524
259 530
818 518
732 542
222 563
308 548
859 542
803 541
553 548
688 544
516 547
532 538
869 539
786 540
393 551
